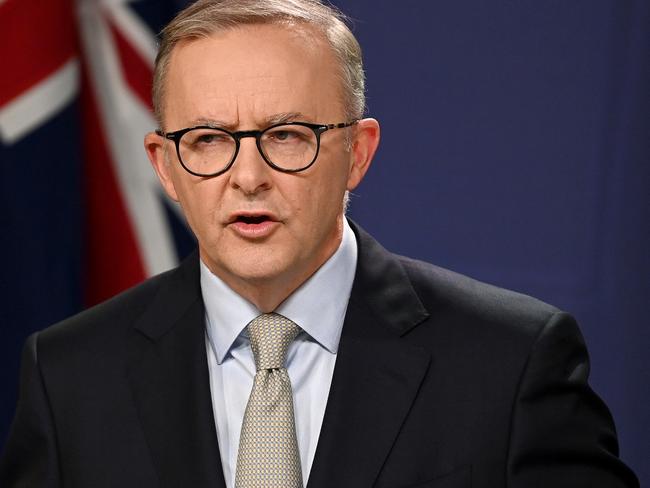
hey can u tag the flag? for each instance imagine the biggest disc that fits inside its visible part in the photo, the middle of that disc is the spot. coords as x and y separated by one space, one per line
83 215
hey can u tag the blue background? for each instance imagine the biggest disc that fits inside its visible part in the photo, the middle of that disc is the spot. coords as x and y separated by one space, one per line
515 148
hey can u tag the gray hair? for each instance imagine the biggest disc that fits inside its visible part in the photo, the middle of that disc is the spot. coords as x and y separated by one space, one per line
206 17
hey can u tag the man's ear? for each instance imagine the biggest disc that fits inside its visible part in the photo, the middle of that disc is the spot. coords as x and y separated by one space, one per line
154 146
364 145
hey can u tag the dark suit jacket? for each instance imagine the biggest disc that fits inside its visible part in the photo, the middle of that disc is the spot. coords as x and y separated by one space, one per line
440 381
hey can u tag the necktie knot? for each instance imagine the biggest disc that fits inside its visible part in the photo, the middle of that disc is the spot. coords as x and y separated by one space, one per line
270 335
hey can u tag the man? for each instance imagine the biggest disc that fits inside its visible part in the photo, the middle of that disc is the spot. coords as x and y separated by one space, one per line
391 372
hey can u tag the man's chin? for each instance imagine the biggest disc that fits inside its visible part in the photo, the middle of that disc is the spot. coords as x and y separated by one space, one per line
253 267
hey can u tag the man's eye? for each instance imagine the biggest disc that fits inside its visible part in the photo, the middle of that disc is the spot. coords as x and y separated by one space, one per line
286 135
283 135
210 139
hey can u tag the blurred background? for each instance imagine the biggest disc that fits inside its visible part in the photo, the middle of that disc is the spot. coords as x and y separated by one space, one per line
515 149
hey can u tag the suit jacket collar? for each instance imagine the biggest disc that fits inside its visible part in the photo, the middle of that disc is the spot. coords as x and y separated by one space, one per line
382 285
177 293
169 379
377 374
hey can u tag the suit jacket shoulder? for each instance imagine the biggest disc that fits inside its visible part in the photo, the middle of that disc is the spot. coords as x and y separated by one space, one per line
473 298
442 380
121 312
118 395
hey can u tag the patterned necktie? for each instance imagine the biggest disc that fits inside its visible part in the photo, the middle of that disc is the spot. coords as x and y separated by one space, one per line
268 449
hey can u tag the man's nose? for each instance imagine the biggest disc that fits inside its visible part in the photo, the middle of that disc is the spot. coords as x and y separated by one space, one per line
250 173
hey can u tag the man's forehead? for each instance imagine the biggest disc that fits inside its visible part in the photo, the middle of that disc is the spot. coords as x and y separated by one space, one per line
268 69
253 51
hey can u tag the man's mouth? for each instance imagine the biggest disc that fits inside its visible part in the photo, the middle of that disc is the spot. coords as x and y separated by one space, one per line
251 225
252 219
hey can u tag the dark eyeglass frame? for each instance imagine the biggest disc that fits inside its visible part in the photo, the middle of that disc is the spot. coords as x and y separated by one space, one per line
257 134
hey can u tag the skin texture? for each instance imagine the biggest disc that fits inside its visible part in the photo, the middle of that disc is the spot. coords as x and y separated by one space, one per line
242 79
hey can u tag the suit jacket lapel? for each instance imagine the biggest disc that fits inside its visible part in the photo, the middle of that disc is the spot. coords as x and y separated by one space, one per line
170 383
377 375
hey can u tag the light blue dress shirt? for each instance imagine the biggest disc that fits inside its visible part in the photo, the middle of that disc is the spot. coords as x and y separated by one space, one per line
318 306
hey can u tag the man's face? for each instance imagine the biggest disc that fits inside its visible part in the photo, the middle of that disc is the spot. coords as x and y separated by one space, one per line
257 228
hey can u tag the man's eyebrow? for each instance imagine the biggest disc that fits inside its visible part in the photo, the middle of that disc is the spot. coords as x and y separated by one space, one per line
211 123
285 117
278 118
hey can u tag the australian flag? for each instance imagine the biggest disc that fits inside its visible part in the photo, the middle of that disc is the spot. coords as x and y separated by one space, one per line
83 216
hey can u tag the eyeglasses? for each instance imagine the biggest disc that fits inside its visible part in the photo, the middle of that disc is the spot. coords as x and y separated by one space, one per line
288 147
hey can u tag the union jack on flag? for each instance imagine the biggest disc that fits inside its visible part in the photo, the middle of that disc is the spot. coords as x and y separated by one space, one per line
75 95
83 215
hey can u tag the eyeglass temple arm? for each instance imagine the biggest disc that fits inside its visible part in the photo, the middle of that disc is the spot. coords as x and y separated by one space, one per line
166 135
342 124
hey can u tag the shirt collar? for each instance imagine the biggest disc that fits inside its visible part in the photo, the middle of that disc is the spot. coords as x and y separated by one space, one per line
318 306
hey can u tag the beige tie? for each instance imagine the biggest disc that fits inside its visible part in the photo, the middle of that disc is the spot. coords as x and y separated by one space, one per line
268 449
